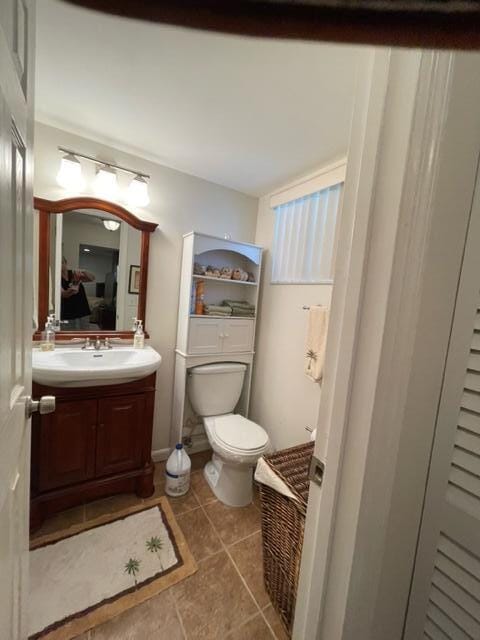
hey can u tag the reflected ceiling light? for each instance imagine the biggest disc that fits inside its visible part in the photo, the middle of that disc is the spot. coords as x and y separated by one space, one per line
70 174
106 182
137 195
87 250
111 225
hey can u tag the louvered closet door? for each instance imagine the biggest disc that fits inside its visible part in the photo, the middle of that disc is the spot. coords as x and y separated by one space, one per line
445 597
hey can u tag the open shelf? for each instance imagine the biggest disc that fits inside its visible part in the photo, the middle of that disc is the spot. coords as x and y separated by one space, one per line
223 280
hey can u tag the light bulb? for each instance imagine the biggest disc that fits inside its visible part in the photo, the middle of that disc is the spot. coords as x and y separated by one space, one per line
137 194
106 182
70 173
111 225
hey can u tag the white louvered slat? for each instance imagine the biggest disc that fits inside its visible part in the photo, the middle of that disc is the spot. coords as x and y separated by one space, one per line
459 616
463 500
466 481
476 342
468 441
434 632
474 361
472 381
464 579
471 401
446 624
457 594
466 460
459 556
469 421
477 321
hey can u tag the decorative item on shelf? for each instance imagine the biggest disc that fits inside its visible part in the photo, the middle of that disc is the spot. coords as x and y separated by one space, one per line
199 269
251 277
199 297
226 273
240 274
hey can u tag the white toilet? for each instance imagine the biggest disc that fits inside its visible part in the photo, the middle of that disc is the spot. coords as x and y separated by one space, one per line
237 443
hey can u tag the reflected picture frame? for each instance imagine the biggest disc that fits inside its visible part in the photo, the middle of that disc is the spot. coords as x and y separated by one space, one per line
134 279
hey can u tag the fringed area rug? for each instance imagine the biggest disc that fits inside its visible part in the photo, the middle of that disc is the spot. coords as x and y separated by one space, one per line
90 573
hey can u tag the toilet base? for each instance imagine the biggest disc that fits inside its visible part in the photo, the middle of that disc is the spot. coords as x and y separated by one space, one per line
231 483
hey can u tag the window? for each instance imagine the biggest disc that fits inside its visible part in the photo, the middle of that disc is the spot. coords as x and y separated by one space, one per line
304 240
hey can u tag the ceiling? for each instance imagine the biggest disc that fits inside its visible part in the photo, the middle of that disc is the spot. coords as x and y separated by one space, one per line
248 114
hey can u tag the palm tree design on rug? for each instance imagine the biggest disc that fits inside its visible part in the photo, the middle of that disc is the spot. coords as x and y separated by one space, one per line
311 357
154 545
132 568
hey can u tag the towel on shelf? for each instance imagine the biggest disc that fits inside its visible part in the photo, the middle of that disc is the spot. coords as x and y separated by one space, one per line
240 308
317 330
217 310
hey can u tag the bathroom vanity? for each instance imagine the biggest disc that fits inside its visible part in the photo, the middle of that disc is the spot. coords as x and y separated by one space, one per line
97 443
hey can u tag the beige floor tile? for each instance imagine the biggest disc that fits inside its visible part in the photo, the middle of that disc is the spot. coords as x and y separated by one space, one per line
155 618
247 555
213 601
200 459
183 503
111 505
60 521
254 629
233 523
200 536
274 621
201 489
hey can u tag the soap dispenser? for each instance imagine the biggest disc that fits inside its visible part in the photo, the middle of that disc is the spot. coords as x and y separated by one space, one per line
47 341
139 336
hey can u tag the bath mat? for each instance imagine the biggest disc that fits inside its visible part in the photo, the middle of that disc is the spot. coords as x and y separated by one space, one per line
85 575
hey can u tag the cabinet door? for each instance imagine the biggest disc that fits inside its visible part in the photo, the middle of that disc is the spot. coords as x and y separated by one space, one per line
67 444
120 434
205 335
238 335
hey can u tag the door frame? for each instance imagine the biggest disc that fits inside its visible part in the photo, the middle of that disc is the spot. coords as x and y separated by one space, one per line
412 161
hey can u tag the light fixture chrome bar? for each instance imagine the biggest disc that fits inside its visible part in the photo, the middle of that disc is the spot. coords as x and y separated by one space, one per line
103 163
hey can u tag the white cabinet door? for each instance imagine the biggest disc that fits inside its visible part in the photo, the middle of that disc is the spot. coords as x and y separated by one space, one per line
238 335
445 594
205 335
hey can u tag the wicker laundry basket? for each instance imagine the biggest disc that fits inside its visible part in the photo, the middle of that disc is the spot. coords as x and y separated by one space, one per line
283 524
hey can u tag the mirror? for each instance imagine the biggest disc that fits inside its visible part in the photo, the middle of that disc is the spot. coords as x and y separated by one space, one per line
95 263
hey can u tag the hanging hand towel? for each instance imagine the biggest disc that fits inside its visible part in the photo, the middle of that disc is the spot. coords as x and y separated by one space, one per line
316 340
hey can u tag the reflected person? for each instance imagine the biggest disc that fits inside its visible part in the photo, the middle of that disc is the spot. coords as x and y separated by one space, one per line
75 310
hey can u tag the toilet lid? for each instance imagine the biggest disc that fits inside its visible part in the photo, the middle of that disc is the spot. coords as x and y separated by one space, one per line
239 433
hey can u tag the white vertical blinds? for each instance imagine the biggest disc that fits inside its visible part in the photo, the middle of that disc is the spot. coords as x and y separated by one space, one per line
304 241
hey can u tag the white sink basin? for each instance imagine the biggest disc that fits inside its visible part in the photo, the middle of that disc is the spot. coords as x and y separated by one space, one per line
70 367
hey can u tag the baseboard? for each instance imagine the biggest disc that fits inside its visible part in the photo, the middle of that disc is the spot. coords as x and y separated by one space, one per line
159 455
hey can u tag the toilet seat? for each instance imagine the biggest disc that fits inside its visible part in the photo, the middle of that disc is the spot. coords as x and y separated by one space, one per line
235 435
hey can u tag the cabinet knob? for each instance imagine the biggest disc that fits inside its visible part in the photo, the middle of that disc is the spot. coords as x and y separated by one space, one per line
227 335
222 336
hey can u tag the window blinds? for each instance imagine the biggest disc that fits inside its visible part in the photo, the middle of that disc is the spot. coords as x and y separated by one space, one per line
304 240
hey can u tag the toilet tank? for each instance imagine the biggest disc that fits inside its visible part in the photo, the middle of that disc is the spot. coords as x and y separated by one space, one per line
214 389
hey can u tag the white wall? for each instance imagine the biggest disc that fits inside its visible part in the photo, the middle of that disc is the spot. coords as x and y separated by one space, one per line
179 203
284 400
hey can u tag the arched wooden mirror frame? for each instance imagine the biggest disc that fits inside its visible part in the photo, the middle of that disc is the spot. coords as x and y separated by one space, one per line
47 208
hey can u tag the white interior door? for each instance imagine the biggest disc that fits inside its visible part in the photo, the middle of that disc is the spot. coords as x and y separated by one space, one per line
445 596
16 42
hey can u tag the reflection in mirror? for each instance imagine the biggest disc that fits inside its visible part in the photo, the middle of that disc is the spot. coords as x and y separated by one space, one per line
91 257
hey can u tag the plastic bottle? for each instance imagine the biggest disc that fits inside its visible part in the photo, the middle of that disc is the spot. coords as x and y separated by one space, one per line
139 336
177 472
47 341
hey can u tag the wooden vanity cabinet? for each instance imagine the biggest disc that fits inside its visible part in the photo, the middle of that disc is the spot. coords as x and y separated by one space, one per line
97 443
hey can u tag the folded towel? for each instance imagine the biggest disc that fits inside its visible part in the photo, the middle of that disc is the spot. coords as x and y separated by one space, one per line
215 309
316 341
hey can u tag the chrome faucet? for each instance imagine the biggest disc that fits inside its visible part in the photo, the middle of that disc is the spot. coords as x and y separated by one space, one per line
98 344
87 345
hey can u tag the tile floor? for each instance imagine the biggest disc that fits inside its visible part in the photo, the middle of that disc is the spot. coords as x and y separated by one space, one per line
225 599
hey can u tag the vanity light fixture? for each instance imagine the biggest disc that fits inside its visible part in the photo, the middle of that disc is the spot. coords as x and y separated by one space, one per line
70 173
137 195
111 225
105 183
